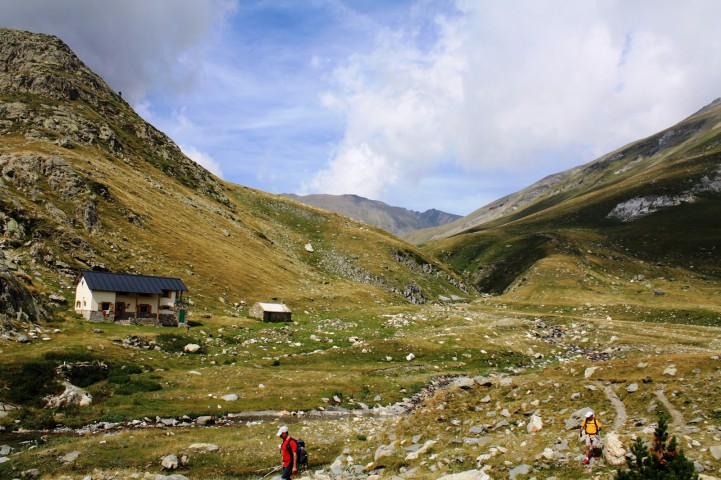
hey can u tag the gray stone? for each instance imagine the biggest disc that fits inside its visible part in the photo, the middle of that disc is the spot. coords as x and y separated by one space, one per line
169 462
231 397
483 381
613 451
5 450
384 451
633 387
715 452
4 459
576 418
204 420
204 447
477 429
467 475
70 457
463 382
519 470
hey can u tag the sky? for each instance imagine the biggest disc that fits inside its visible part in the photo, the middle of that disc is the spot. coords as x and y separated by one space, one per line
446 104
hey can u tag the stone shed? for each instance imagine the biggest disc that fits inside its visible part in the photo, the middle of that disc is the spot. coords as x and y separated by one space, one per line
271 312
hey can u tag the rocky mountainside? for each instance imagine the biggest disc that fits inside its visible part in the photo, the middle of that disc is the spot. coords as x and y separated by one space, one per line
88 184
637 159
653 202
396 220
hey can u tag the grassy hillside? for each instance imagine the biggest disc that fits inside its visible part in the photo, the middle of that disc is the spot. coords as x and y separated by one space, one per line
88 184
647 211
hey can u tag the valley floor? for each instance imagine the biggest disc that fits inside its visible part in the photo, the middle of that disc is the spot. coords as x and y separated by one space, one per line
493 389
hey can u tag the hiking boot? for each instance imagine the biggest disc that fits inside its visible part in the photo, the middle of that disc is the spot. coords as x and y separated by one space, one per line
585 461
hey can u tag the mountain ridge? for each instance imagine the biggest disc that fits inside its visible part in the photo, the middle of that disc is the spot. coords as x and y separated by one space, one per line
396 220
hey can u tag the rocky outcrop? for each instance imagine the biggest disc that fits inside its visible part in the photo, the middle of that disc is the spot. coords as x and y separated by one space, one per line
16 302
58 99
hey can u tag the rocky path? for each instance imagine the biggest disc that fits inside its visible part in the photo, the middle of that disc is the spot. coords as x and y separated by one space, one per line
677 420
617 403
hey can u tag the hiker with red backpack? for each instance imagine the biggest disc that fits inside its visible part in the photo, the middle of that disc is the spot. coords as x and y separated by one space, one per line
591 428
289 452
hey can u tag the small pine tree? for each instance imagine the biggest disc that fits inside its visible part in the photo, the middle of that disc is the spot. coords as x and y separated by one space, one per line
663 461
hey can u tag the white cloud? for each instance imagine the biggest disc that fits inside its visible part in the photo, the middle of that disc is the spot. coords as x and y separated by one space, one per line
203 159
524 85
135 45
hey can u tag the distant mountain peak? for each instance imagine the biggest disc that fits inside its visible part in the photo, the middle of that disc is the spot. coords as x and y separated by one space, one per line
396 220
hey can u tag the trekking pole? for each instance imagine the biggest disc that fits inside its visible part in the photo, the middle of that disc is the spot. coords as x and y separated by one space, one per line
272 470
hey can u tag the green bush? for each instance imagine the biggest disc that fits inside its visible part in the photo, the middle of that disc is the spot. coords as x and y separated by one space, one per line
32 419
85 374
137 385
663 461
28 383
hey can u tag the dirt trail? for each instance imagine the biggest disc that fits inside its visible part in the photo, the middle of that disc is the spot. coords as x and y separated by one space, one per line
621 415
677 420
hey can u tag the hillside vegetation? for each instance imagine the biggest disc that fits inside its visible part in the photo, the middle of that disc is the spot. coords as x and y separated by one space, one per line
638 225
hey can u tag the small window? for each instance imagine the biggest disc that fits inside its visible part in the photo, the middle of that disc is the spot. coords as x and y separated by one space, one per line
77 304
105 306
144 308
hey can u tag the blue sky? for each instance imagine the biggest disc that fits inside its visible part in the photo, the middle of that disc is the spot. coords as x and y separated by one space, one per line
446 104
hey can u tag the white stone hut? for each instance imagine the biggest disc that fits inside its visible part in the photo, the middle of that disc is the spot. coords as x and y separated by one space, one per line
271 312
119 297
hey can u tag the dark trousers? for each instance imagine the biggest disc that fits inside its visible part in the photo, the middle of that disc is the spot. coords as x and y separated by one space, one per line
287 472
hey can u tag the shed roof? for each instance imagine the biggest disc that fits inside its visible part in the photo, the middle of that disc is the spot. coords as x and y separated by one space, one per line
273 307
123 282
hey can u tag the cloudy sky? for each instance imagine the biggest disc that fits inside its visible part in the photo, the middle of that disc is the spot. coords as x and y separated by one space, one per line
446 104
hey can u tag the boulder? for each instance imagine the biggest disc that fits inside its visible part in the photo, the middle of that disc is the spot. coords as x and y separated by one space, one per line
633 387
715 452
590 371
613 451
535 424
426 446
191 348
169 462
70 457
5 450
384 451
463 382
204 447
519 470
231 397
483 381
576 419
71 396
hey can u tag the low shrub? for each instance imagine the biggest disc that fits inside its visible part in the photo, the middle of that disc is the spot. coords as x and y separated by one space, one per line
28 383
138 385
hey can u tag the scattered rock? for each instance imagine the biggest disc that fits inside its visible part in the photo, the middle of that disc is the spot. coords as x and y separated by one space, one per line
519 470
535 424
633 387
191 348
670 371
309 248
70 457
231 397
204 447
169 462
590 371
426 446
715 452
384 451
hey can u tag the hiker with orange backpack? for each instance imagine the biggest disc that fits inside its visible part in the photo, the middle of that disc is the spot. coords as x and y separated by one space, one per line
591 428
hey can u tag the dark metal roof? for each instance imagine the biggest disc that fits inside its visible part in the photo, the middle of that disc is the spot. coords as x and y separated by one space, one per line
122 282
